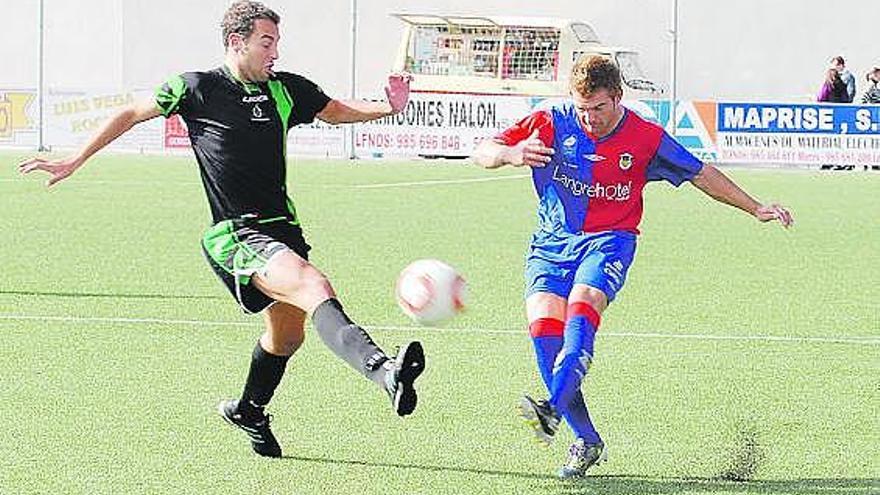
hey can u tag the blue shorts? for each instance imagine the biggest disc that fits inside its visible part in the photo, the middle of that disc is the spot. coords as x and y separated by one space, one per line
601 260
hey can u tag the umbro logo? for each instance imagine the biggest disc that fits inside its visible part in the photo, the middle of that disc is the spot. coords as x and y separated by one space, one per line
594 157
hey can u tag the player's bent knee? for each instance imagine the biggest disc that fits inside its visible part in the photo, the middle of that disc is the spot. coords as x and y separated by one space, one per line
317 287
307 292
545 305
293 280
590 295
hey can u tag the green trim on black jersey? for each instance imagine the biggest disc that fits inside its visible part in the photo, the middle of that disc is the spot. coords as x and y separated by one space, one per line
291 209
249 87
284 104
170 94
270 220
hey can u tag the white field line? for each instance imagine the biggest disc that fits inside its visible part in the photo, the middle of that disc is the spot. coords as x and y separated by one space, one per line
304 186
110 182
870 341
439 182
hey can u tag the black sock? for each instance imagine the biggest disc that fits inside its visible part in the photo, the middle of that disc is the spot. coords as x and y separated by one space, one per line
263 378
349 341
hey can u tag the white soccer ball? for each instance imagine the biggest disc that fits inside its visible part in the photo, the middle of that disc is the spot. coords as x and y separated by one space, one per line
430 291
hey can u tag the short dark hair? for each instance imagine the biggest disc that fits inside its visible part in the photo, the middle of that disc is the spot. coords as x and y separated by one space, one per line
838 60
240 17
594 72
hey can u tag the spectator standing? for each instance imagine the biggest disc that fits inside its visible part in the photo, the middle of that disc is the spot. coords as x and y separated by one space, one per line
833 89
872 94
838 64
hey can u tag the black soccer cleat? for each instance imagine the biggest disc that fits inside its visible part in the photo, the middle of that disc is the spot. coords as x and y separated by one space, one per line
541 416
402 372
255 424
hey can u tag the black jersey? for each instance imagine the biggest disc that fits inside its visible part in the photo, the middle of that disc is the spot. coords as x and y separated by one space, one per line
239 134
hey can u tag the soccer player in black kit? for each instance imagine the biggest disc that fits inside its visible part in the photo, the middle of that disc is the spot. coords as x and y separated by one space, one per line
238 116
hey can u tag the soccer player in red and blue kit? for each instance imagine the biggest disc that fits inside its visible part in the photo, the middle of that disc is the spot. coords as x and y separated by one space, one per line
590 160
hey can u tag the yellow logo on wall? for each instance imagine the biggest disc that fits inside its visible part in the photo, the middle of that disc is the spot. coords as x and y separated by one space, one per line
13 113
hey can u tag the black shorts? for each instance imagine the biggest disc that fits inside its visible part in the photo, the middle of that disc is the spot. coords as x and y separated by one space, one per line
237 249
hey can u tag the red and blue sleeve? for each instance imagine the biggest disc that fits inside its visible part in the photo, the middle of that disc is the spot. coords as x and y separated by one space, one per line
672 162
541 121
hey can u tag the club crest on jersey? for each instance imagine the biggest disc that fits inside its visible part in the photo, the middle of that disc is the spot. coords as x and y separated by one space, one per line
257 113
626 161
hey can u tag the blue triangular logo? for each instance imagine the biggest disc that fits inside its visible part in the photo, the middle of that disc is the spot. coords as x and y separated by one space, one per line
685 122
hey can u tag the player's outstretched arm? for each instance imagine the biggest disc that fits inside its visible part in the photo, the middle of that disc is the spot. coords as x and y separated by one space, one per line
714 183
531 151
349 111
114 127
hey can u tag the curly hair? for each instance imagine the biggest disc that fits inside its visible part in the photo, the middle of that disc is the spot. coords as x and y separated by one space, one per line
240 17
594 72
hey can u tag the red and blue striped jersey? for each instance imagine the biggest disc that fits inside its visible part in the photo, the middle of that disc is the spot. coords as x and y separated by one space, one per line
595 185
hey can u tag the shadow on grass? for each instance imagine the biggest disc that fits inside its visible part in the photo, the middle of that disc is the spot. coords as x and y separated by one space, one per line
105 295
424 467
625 484
619 485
